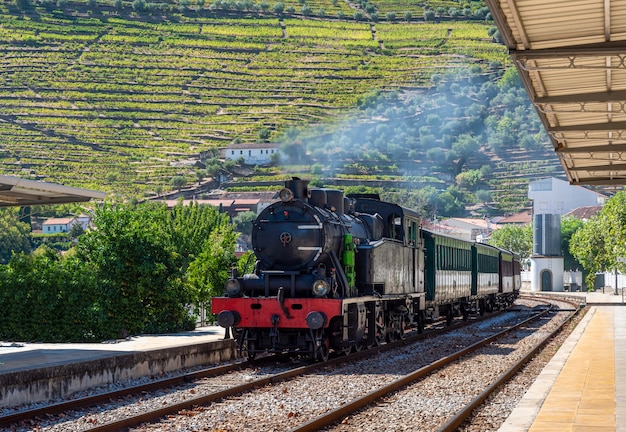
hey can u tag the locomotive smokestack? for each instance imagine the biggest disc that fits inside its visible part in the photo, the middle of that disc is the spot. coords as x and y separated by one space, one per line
299 188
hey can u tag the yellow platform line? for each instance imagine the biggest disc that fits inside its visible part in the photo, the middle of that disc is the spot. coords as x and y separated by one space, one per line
583 395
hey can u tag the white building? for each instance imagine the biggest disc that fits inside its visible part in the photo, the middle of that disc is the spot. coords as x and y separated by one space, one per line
551 199
252 154
58 225
84 221
554 196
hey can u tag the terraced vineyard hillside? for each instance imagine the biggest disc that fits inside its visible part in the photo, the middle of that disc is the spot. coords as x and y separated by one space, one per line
114 99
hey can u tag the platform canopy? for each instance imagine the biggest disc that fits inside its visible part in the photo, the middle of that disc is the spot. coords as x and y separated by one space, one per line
15 191
571 55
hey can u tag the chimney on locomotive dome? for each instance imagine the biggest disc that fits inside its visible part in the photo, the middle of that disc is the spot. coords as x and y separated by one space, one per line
299 188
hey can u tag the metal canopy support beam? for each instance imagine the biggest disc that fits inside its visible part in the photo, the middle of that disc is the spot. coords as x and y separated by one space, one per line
615 49
609 148
595 127
601 97
601 168
600 181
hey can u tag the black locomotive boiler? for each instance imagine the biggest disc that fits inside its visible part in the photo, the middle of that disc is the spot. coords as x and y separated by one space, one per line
337 273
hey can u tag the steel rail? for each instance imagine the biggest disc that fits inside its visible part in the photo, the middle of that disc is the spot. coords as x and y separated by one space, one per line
453 423
74 404
152 416
337 414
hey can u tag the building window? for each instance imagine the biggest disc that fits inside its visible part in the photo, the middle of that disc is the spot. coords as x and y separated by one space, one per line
232 152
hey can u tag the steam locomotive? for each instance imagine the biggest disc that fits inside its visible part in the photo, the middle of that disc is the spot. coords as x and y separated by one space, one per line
339 273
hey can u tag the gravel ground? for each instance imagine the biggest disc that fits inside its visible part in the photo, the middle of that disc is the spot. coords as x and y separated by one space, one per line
429 403
285 405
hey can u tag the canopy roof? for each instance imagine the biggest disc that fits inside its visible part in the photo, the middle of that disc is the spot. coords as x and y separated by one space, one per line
15 191
571 55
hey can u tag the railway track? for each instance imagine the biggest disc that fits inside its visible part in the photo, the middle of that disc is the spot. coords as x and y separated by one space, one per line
201 398
460 360
60 409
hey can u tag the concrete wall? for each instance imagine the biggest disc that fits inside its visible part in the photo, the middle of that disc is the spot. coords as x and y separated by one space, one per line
62 380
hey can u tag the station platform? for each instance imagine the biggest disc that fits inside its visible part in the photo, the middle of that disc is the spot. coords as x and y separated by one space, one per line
33 372
583 387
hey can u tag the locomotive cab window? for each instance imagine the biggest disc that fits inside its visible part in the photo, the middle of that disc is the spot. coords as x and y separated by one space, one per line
394 224
412 230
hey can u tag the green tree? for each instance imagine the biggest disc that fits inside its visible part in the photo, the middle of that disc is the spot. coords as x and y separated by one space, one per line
136 258
516 238
200 175
243 222
451 202
178 182
15 236
76 231
23 4
569 225
264 134
600 241
469 179
279 8
587 245
208 273
55 293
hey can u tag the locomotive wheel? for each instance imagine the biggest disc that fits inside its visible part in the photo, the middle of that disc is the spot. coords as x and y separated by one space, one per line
396 329
322 352
420 322
250 350
379 332
449 316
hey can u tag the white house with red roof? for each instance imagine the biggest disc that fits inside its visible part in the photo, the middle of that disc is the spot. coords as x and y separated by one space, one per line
58 225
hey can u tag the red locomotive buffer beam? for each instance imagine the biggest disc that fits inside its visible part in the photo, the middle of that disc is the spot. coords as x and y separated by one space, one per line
259 312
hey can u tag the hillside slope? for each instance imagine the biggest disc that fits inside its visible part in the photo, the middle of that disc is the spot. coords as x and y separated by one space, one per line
117 100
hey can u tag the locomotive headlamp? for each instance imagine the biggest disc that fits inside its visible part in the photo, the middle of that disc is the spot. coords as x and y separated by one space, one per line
233 287
285 195
320 288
